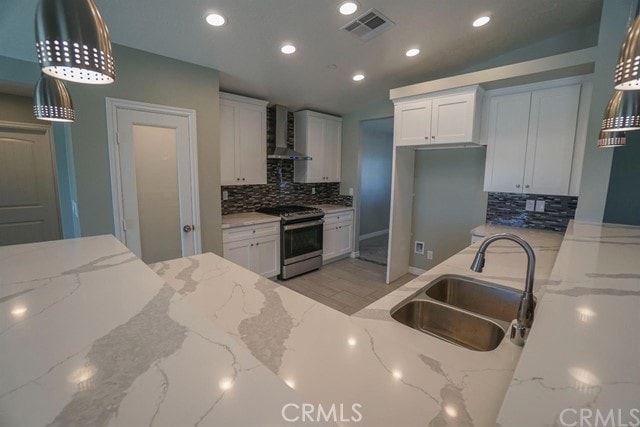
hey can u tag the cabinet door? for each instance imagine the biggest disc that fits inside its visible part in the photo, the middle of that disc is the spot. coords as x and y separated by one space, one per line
265 256
252 144
343 240
315 149
329 241
238 253
507 142
227 144
452 119
332 150
552 131
412 123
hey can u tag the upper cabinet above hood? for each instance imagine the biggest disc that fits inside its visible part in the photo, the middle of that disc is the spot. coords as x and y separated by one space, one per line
281 151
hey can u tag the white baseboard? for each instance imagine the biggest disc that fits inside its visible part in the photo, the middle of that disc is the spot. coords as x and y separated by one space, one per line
374 234
355 254
415 270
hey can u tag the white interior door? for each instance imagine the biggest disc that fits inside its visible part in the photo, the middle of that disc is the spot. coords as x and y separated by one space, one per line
158 183
28 198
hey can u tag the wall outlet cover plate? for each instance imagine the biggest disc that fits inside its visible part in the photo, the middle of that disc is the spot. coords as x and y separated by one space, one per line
539 205
531 205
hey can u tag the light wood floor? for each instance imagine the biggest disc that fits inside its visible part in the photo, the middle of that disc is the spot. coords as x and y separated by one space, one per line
348 285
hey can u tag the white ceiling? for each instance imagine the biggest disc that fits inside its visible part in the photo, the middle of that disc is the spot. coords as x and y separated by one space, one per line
246 51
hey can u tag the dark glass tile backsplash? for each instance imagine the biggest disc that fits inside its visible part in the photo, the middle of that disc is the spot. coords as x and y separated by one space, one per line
280 188
509 209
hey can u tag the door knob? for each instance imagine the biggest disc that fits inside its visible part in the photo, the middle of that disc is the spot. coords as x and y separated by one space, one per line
188 228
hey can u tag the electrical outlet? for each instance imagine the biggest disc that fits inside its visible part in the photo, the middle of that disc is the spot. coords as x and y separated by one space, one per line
539 205
419 248
313 190
74 208
429 254
225 195
351 191
531 205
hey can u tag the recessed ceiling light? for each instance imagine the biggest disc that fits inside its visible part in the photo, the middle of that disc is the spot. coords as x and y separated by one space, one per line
215 19
288 49
483 20
358 77
412 52
348 7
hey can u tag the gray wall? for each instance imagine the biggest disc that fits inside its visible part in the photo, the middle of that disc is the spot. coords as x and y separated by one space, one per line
352 151
597 162
623 198
19 109
375 182
449 201
142 77
154 79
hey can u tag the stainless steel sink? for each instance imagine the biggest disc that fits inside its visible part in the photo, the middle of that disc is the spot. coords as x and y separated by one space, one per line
476 296
461 310
451 324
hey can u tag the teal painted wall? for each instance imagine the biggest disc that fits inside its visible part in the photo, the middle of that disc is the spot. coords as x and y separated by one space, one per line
623 198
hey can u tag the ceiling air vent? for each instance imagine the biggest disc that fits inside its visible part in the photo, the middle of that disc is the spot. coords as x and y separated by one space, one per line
368 25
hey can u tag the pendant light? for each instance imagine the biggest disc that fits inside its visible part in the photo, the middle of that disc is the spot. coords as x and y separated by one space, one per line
612 139
627 73
623 112
51 101
73 42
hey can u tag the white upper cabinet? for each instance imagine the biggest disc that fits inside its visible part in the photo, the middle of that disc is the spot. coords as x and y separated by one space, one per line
535 140
441 119
319 136
243 140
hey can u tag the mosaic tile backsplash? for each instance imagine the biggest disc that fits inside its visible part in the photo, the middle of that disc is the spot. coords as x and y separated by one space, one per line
280 188
509 209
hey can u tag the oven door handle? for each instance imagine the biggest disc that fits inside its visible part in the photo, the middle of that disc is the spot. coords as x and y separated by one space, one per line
303 225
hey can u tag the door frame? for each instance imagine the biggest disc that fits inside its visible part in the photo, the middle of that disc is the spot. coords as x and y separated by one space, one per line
47 130
113 105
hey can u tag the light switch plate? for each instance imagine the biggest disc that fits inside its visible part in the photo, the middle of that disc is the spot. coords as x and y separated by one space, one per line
531 205
313 190
225 195
429 254
539 205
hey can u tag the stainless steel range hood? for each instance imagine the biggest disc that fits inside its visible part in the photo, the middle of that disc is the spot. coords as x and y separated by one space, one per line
282 152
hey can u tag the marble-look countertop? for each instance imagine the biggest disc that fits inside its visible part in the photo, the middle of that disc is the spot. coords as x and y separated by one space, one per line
329 209
90 336
247 218
488 229
582 357
400 376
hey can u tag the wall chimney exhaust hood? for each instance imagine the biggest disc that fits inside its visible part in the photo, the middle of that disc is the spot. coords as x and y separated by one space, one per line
282 152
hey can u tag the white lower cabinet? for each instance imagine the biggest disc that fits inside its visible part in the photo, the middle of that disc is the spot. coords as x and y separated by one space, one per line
337 235
259 254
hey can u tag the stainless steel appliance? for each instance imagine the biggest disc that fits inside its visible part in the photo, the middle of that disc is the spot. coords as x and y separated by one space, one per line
300 238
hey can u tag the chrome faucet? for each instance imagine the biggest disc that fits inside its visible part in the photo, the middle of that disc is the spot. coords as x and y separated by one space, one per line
524 320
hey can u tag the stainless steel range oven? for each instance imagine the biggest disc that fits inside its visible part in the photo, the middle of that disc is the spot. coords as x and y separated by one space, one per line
301 238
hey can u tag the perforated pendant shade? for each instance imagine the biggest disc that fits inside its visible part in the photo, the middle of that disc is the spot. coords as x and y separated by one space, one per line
73 42
623 112
627 74
612 139
51 101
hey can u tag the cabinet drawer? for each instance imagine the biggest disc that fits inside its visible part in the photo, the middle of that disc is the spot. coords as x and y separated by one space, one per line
246 232
334 218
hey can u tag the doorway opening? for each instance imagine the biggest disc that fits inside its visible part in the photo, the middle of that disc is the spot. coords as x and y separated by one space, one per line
375 189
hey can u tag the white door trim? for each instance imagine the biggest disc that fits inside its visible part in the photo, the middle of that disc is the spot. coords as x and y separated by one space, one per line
113 105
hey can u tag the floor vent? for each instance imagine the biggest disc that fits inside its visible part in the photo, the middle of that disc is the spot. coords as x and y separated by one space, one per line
368 25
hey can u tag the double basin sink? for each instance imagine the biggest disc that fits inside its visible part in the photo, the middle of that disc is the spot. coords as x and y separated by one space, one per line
461 310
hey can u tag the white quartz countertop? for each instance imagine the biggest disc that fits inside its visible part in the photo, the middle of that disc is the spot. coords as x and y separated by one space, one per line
90 336
400 376
582 358
247 218
329 209
487 229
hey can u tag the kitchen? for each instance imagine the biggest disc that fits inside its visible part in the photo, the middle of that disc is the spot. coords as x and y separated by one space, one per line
371 361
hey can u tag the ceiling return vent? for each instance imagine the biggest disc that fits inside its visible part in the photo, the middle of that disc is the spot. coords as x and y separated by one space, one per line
368 25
